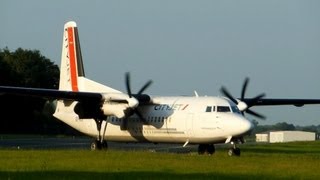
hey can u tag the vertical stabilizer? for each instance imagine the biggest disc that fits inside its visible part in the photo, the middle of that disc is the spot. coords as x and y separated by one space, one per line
72 77
71 59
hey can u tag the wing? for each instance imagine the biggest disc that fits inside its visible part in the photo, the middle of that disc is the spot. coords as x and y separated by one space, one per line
106 103
274 102
245 103
52 94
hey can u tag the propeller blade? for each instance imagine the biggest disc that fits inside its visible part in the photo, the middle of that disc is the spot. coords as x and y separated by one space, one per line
131 111
128 84
244 88
244 107
145 87
124 124
225 92
255 114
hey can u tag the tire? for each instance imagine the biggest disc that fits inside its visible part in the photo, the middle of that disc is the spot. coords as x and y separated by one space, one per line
237 151
234 152
211 149
201 149
95 145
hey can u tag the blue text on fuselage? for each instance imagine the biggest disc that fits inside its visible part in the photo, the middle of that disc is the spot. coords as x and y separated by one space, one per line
170 107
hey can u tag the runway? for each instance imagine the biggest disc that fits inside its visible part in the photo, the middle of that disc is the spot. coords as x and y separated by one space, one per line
83 143
43 142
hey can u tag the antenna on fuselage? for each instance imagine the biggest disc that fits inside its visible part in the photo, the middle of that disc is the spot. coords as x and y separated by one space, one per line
196 94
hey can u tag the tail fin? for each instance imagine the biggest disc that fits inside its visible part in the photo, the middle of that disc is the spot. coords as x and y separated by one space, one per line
71 59
72 76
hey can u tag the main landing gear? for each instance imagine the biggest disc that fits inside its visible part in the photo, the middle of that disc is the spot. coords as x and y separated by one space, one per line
99 143
206 149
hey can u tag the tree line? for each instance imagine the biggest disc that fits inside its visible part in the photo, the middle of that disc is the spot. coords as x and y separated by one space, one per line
22 114
284 126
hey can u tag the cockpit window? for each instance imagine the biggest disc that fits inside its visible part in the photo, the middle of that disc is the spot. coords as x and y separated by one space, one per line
223 109
235 109
209 109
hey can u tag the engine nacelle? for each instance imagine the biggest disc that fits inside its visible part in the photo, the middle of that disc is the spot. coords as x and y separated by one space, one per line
114 109
121 98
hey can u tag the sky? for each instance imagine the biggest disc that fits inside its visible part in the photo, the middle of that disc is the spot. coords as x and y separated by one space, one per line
184 45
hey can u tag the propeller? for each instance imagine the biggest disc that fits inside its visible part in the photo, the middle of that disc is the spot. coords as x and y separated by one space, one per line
134 110
243 107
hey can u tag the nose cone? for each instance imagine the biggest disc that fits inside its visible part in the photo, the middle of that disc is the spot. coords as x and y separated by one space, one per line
246 126
238 125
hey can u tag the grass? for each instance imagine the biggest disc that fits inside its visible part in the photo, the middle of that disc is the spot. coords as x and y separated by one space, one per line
258 161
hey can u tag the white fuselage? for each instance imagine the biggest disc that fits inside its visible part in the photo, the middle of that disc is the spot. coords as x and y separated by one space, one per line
178 119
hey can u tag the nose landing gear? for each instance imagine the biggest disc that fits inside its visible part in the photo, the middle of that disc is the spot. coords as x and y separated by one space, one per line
234 151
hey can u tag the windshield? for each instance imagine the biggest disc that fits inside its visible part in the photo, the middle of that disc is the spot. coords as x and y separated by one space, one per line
235 109
223 109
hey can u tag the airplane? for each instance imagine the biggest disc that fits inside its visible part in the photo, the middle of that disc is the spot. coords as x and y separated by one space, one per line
110 115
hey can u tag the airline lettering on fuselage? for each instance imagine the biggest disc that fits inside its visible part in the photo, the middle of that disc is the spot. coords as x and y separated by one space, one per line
170 107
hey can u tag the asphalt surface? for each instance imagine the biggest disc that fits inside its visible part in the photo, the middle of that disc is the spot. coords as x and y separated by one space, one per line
44 142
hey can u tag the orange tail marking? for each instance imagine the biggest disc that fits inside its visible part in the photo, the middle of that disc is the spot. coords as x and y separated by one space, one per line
72 59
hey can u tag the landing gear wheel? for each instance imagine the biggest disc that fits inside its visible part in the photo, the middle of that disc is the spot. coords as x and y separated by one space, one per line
104 145
96 145
206 148
230 152
237 151
201 149
210 149
234 151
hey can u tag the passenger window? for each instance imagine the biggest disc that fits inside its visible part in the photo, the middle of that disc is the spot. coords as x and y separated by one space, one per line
209 109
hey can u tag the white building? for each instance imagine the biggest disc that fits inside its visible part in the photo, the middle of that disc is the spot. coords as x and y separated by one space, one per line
263 137
289 136
285 136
